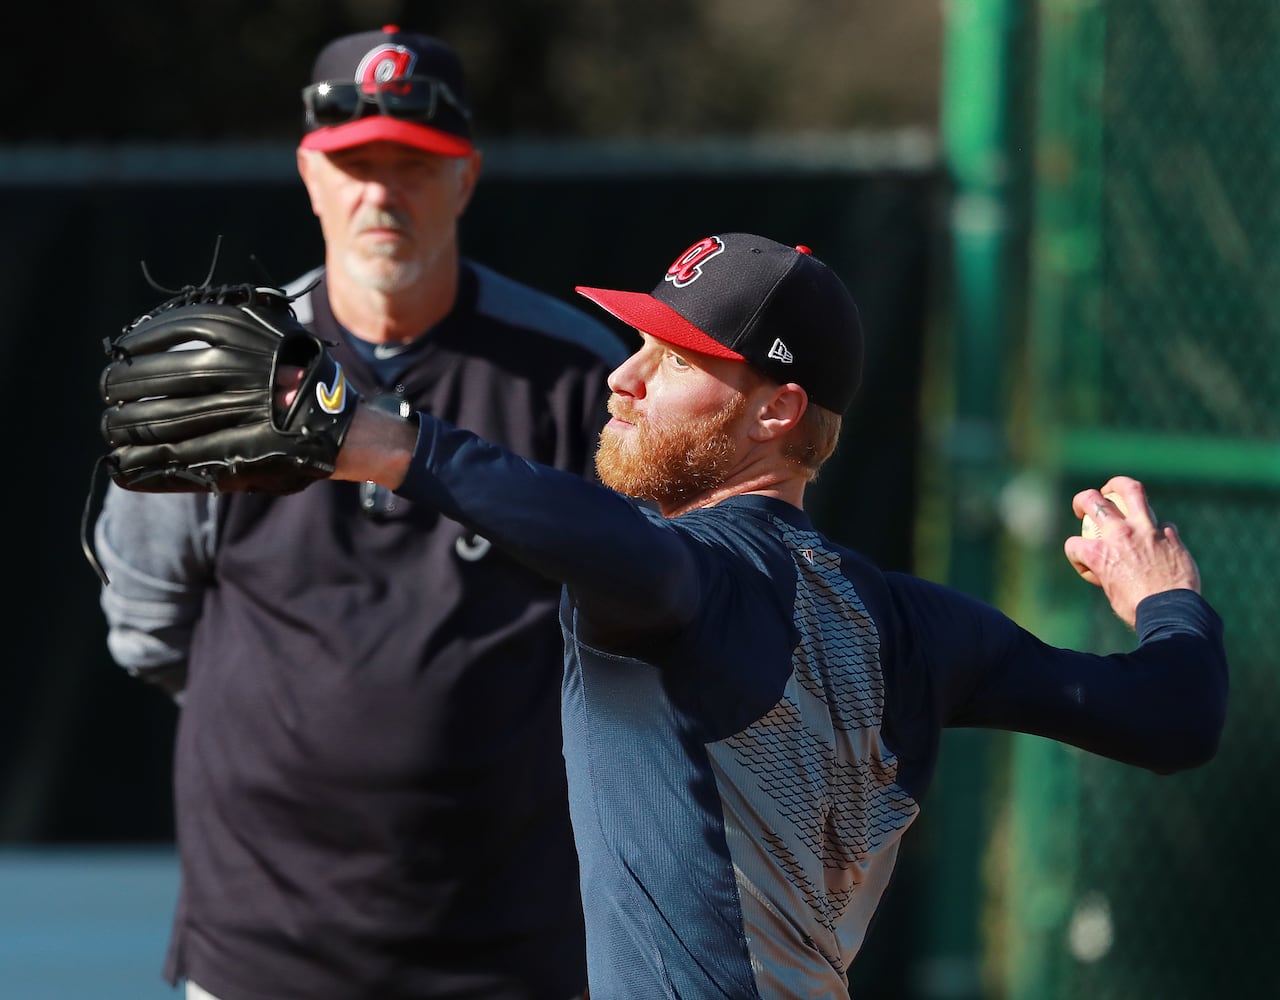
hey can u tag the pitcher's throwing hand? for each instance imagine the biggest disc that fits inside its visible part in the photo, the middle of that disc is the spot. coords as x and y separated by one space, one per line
1135 555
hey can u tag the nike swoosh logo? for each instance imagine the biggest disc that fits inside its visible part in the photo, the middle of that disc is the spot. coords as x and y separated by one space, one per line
384 351
333 400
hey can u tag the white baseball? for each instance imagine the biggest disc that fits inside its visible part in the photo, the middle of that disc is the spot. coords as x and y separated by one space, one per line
1089 527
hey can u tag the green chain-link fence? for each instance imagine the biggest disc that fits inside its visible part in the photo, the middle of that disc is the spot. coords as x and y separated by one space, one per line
1150 346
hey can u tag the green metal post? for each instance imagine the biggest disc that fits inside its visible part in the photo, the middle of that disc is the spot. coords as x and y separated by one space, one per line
1065 288
978 137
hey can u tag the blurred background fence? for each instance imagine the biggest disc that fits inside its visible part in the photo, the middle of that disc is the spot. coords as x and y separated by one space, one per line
1066 275
1130 197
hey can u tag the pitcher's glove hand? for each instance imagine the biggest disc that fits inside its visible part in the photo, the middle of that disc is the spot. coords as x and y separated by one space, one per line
190 397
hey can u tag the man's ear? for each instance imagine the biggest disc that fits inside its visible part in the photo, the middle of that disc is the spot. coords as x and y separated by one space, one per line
779 411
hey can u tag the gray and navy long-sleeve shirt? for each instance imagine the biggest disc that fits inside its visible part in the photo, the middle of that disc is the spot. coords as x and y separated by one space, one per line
369 784
752 715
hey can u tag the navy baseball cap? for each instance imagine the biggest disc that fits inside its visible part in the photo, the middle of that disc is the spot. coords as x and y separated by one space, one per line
390 86
776 307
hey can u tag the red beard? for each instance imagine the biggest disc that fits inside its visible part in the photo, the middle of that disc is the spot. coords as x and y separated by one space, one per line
665 464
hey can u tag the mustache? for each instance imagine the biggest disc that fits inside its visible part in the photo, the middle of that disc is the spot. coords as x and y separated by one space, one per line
623 410
381 218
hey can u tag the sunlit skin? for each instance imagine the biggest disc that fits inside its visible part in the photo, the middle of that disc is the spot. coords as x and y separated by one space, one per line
1136 555
661 383
688 429
389 214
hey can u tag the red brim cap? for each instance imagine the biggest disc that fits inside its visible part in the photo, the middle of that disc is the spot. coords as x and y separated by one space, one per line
642 311
380 128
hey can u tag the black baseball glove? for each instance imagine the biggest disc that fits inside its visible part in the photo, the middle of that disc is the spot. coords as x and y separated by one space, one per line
189 395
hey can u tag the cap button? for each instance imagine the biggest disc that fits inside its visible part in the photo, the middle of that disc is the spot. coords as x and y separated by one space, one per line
804 249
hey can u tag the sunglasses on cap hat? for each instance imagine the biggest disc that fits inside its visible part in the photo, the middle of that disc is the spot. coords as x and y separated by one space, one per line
411 99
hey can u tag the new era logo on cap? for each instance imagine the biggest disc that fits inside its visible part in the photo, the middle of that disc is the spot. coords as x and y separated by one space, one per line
748 298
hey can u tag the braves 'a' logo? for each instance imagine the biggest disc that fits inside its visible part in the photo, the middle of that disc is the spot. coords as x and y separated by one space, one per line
333 400
386 62
688 265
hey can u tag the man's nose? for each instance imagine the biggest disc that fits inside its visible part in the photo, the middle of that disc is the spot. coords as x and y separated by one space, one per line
379 190
628 378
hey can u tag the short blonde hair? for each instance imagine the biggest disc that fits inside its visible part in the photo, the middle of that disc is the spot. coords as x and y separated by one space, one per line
813 440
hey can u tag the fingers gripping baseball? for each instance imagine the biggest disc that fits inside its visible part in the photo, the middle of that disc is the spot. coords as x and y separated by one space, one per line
189 397
1126 551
